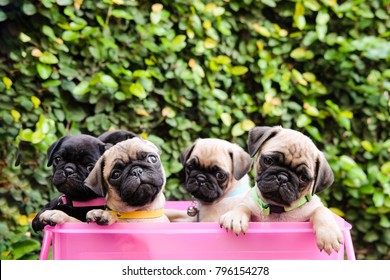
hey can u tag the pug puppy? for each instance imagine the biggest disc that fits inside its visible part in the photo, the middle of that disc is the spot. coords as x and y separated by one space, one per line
290 170
115 136
216 176
72 158
131 177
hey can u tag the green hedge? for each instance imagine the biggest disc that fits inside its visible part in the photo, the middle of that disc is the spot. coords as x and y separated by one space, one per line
174 71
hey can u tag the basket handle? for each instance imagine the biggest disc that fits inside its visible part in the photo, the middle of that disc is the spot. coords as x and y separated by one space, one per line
46 243
349 246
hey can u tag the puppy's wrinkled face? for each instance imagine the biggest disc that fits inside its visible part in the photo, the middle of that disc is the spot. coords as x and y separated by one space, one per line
282 176
73 158
130 172
288 166
211 165
206 183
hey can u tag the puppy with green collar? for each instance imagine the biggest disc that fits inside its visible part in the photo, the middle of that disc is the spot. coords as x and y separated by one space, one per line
290 170
131 177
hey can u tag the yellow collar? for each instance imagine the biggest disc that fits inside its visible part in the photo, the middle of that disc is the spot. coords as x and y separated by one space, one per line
139 214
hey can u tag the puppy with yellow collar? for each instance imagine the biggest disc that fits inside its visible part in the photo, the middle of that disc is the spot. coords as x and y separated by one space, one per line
290 170
131 177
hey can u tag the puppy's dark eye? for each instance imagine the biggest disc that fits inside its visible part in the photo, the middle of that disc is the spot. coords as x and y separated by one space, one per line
268 160
90 167
189 167
220 176
303 178
56 160
152 159
115 174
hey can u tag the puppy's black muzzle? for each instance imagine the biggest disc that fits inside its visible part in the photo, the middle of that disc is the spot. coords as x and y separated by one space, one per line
203 187
279 185
139 184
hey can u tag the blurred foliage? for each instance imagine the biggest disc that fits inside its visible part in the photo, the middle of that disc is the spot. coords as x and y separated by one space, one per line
174 71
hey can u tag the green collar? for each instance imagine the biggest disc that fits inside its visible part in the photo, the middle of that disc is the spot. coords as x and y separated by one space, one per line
270 208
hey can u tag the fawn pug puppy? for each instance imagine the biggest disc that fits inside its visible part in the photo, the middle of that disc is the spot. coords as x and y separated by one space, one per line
290 170
216 176
131 177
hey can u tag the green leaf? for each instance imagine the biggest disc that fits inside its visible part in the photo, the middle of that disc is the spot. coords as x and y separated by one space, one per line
22 248
371 236
226 119
237 130
82 88
300 22
121 14
64 2
378 198
138 90
385 168
24 38
48 31
322 17
7 82
51 83
29 9
238 70
314 132
69 35
44 70
220 94
247 124
347 163
108 81
3 16
179 42
48 58
303 120
298 53
222 59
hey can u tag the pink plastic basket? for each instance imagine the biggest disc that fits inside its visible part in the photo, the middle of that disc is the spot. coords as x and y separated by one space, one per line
188 241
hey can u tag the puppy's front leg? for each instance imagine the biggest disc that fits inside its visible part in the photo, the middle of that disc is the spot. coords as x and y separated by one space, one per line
328 234
236 220
53 217
101 217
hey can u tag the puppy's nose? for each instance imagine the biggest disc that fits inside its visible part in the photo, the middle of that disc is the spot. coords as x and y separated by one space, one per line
69 171
136 171
282 178
201 178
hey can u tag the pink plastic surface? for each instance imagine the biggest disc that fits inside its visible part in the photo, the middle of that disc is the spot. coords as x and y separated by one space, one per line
188 241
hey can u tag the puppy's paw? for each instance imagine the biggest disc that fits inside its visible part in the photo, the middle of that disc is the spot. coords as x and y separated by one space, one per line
329 239
235 220
101 217
53 217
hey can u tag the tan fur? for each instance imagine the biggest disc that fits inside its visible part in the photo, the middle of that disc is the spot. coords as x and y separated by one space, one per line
216 152
124 152
297 150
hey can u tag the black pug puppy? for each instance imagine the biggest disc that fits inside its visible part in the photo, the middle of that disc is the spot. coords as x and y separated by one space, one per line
72 157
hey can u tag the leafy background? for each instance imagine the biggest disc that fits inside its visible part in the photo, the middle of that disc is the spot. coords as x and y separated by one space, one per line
174 71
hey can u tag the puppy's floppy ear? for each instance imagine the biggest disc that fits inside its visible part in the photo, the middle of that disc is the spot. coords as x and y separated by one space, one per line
53 149
95 179
116 136
259 135
186 153
324 175
241 162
